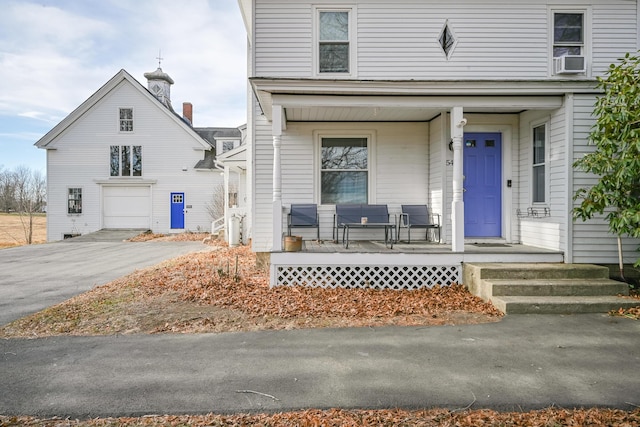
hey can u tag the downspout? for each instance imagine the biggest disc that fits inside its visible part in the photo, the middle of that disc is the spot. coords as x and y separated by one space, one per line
444 164
569 111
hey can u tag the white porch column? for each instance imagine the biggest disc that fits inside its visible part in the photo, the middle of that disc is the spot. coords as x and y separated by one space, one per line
457 205
276 128
225 200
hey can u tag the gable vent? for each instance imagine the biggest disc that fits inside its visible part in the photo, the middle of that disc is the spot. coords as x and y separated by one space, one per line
447 40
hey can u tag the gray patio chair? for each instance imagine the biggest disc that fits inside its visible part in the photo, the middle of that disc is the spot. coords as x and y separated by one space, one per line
303 215
417 216
345 214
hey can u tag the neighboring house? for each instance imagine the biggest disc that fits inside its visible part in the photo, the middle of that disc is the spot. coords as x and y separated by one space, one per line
475 108
125 160
230 146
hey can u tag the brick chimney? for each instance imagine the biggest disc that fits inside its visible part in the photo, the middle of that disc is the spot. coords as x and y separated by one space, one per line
187 111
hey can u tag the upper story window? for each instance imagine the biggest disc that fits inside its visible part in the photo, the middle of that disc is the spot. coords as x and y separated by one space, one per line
126 119
74 202
568 33
344 170
227 146
334 44
539 188
125 160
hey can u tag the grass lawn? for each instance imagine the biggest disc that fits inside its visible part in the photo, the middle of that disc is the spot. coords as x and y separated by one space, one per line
13 226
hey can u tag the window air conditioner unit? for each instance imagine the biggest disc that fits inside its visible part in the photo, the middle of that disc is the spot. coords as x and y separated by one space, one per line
569 64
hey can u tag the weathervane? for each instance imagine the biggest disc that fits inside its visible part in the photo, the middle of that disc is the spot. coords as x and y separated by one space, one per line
159 57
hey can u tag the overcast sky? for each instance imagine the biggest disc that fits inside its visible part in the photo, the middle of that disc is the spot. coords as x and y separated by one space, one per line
54 54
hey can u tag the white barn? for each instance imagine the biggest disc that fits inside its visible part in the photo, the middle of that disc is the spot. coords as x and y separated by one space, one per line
477 109
125 160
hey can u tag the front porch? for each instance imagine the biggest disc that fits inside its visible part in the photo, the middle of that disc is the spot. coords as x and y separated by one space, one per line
371 264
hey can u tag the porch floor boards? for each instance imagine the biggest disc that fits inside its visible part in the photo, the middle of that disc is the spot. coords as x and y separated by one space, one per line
417 247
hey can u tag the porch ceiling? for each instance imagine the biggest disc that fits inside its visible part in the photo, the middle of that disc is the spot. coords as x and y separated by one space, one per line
372 114
401 109
321 100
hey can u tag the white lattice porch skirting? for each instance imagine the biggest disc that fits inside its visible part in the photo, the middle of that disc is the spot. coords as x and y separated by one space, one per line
360 270
367 276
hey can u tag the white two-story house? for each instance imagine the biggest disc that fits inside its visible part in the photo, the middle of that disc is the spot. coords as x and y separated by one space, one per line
476 109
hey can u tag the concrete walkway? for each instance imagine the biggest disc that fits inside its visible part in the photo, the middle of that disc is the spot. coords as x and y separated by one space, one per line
523 362
37 276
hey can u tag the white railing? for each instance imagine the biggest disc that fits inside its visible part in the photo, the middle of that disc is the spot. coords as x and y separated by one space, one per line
217 225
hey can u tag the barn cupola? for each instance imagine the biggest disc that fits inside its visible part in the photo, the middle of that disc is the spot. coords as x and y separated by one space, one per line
159 84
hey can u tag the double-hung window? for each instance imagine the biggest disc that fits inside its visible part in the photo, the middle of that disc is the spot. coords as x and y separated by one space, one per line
539 164
344 170
125 160
126 119
334 44
74 201
568 33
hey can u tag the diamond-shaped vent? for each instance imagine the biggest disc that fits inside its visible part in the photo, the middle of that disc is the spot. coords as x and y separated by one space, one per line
447 40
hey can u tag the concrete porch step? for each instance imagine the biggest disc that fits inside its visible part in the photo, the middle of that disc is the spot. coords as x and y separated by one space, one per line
547 288
538 271
556 287
561 305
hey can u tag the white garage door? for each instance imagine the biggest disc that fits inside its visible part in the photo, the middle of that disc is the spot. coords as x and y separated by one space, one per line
126 207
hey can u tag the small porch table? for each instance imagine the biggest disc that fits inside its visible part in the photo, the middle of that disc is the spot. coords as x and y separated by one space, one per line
388 231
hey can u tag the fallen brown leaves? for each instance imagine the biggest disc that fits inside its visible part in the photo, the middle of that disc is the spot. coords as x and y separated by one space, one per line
630 313
223 290
341 417
181 237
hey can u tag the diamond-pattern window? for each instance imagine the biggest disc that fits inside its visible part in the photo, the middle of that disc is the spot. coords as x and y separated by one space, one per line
447 40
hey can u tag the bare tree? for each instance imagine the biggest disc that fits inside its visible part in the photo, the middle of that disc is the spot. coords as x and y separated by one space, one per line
30 191
7 191
216 207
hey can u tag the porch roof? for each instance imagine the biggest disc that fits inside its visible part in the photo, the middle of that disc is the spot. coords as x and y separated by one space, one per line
357 100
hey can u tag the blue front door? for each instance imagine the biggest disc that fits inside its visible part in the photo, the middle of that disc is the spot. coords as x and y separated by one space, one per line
482 154
177 210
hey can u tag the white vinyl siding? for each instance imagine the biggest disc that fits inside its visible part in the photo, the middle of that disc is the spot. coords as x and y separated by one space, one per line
545 231
283 44
592 242
613 32
399 40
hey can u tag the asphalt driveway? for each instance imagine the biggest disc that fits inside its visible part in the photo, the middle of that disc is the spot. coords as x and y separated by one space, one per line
38 276
523 362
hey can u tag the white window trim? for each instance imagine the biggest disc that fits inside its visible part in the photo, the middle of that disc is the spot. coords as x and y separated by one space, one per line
371 161
547 123
120 176
81 202
352 11
133 121
587 35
